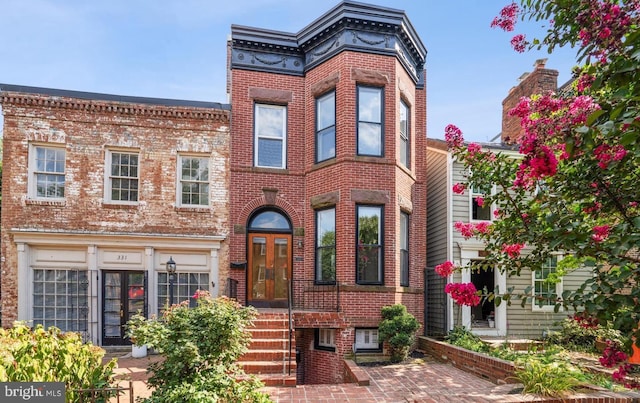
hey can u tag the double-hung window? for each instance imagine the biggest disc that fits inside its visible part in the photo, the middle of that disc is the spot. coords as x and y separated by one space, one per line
367 339
370 124
270 127
547 288
194 181
480 209
122 183
404 249
405 134
369 245
47 168
326 245
326 127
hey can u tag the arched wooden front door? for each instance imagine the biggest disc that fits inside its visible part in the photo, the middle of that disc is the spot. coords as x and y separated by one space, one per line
269 260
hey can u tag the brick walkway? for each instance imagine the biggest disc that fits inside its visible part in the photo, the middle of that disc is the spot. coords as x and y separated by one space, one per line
424 381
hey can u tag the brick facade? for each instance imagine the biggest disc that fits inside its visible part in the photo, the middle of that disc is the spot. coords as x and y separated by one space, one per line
85 126
540 81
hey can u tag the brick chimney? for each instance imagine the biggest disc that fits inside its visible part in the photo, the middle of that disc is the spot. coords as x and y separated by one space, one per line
539 81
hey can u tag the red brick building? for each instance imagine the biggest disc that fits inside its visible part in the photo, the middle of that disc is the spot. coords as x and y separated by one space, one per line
328 176
311 180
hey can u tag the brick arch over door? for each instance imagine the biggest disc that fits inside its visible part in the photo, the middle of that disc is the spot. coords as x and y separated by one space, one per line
261 202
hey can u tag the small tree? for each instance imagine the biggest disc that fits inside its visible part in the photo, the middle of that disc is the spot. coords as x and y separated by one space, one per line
398 328
49 355
201 346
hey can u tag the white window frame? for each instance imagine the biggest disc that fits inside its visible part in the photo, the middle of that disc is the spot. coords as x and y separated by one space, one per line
404 140
33 172
257 136
367 339
326 339
320 131
535 306
361 119
472 195
108 178
181 181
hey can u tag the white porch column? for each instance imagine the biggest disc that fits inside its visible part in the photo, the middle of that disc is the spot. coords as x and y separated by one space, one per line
214 275
149 263
93 277
25 283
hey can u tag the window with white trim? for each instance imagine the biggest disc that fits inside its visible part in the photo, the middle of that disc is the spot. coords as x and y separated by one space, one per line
47 172
270 127
325 339
194 181
122 182
326 126
405 135
367 339
185 286
547 288
480 209
370 119
60 299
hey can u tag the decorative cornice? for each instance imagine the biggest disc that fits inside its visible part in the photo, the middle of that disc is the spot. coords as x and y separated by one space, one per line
348 26
44 100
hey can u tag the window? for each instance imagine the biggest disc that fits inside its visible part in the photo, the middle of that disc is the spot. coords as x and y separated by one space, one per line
367 339
547 287
325 339
60 299
122 182
370 121
194 181
480 212
404 249
185 286
47 167
270 136
405 155
326 127
369 251
326 245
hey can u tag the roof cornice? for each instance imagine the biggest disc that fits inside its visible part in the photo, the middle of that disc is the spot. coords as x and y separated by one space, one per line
107 103
348 26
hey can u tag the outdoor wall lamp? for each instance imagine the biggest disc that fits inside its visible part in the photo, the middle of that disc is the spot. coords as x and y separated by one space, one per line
171 270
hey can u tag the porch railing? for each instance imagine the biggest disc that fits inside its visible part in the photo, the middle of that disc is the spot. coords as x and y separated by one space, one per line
115 394
310 296
231 290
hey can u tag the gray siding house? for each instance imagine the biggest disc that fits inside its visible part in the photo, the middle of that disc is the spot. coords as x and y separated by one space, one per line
444 208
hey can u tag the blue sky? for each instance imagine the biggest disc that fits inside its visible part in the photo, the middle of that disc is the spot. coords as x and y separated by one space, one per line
176 49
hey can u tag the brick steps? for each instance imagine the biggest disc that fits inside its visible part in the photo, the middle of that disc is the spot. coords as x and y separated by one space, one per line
269 352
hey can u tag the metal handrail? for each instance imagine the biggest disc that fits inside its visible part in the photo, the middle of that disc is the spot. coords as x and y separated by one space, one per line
289 304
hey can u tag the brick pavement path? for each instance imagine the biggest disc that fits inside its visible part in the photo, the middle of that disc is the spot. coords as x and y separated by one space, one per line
416 382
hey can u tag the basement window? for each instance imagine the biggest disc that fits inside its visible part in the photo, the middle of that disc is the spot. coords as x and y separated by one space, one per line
325 339
367 340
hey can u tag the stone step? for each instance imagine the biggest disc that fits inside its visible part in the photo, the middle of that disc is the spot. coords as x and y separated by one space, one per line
277 379
281 334
271 344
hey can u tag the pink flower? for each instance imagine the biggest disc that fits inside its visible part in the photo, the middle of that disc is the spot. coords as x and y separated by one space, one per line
473 149
445 269
519 43
600 233
463 293
467 230
513 250
201 294
480 201
507 18
458 188
483 227
497 213
453 136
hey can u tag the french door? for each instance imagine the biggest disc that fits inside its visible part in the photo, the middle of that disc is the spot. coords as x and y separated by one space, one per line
123 295
269 269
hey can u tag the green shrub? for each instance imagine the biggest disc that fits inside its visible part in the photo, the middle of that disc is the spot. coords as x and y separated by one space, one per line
398 328
462 337
39 355
575 335
201 346
555 379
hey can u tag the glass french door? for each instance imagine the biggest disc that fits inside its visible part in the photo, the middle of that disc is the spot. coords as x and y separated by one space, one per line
123 295
269 271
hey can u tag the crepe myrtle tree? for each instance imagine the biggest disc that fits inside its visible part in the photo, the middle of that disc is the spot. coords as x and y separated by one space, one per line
576 187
